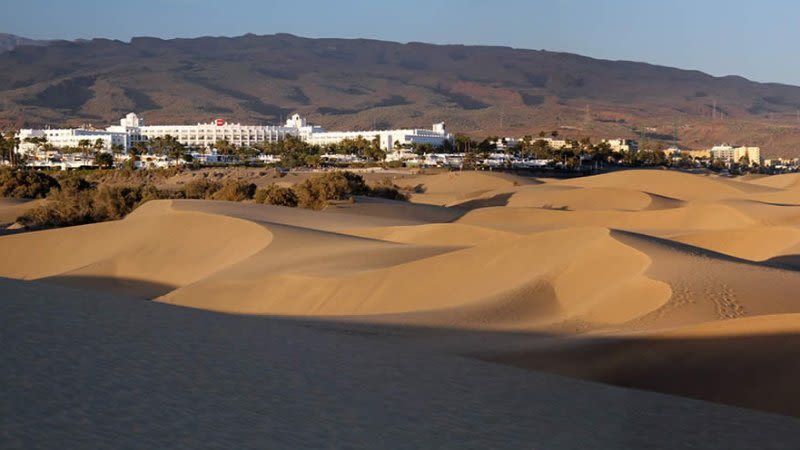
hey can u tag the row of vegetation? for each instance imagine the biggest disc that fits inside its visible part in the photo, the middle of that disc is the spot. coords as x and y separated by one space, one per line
313 193
74 200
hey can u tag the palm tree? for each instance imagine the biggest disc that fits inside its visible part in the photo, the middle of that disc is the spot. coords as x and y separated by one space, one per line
170 147
85 145
99 144
11 144
116 150
4 153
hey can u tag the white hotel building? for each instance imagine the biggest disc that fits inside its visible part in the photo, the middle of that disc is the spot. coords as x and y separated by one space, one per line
386 138
71 137
132 129
734 154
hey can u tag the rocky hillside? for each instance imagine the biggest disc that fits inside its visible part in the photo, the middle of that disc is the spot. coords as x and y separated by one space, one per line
358 83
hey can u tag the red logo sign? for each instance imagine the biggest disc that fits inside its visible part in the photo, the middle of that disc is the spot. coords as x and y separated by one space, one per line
220 122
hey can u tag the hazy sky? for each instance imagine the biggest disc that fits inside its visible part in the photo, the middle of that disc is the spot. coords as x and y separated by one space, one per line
755 39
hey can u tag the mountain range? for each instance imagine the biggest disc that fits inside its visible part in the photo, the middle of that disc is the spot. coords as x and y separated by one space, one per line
361 84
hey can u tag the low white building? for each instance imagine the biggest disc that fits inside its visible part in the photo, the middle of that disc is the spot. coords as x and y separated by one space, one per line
387 139
69 137
620 145
342 159
554 143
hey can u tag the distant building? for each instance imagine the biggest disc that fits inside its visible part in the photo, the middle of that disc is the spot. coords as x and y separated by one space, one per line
132 129
69 137
205 135
554 143
622 145
387 139
735 154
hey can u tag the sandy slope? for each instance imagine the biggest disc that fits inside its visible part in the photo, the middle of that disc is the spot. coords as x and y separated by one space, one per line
11 208
623 258
453 187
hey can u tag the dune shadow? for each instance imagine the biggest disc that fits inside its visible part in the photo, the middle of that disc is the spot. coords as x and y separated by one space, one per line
787 261
495 200
129 287
756 371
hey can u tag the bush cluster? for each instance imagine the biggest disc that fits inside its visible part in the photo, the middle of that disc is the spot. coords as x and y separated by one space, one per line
276 195
235 191
79 202
25 183
202 188
317 192
387 189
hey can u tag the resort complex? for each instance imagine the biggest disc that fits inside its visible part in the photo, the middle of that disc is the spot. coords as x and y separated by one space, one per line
223 142
132 129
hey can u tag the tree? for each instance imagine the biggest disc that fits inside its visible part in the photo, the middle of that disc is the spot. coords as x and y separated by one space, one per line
446 146
138 149
375 153
99 144
104 160
224 147
744 161
470 160
84 145
116 150
38 141
169 147
292 150
244 153
464 143
10 144
486 147
540 149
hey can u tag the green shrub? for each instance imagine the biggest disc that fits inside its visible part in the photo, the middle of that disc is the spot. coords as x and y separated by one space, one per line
25 183
276 195
115 202
387 189
102 159
73 204
236 191
317 192
201 189
80 202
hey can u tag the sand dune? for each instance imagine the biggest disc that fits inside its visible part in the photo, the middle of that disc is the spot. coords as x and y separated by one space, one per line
789 181
683 186
625 272
11 208
453 187
152 251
